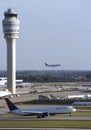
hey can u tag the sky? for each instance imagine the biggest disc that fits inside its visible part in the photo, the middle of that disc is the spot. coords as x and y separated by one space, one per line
51 31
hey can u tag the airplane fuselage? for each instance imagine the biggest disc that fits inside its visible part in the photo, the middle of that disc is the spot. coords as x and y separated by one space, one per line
52 110
53 65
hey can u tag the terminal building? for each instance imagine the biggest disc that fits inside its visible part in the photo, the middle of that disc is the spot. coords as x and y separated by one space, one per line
19 83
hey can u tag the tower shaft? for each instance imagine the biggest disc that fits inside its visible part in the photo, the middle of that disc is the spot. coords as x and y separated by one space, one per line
11 65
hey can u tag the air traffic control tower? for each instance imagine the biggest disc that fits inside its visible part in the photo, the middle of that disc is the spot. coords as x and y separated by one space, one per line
11 31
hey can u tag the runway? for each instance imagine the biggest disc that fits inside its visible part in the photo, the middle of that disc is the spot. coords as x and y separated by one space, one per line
56 117
41 129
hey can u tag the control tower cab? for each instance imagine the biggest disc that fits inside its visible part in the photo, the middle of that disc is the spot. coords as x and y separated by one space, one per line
11 24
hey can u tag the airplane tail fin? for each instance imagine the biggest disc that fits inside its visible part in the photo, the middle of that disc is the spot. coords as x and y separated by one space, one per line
11 106
46 64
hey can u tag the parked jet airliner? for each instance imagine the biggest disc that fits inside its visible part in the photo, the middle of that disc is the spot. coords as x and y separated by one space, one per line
39 112
7 94
84 96
53 65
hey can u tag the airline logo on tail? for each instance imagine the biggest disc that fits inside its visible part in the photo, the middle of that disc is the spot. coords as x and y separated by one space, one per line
11 106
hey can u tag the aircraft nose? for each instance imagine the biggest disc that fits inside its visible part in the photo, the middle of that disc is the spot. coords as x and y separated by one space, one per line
74 110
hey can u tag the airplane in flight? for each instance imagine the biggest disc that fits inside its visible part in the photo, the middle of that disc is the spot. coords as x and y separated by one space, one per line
39 112
52 65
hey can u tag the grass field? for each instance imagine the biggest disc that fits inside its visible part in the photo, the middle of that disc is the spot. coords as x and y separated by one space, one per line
82 113
46 124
